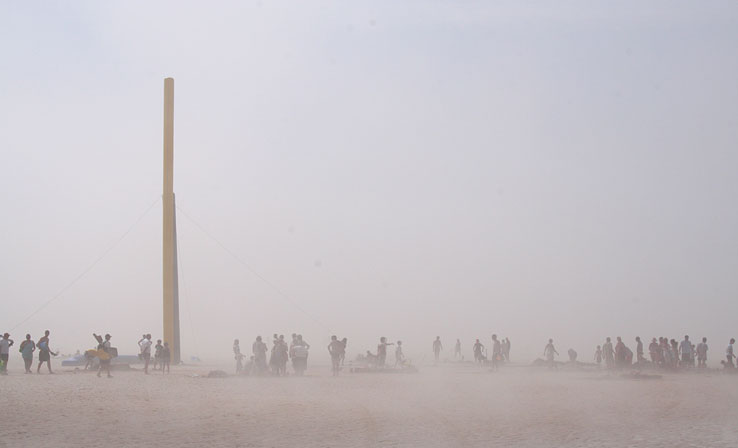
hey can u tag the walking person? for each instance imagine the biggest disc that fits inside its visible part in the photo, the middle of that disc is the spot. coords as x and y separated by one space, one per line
106 356
5 344
27 348
549 352
478 348
44 352
639 350
653 351
344 343
506 349
457 350
437 347
145 345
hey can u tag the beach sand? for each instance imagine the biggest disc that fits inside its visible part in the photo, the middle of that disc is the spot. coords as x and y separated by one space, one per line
452 405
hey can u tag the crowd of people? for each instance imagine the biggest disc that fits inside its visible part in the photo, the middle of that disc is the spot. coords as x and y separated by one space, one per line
662 353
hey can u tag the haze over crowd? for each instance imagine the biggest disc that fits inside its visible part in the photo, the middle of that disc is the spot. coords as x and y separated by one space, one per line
395 169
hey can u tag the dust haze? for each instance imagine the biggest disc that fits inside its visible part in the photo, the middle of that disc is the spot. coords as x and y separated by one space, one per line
404 170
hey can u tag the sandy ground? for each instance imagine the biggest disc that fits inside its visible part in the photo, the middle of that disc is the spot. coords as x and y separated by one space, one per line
446 406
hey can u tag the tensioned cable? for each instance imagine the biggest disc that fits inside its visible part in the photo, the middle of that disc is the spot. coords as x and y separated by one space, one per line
180 266
90 267
274 287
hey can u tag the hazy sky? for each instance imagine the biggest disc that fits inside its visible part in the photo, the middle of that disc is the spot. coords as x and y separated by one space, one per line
406 169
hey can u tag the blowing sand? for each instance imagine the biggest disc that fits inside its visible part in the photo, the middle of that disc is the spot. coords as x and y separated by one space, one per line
445 406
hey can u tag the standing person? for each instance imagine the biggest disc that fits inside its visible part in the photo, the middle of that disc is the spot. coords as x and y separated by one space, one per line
496 352
238 356
653 351
549 352
506 349
639 350
5 344
334 349
259 349
457 349
437 347
685 347
299 355
27 348
675 352
157 354
729 354
344 343
609 353
106 356
382 351
399 356
166 357
145 346
477 348
702 353
44 352
619 353
598 356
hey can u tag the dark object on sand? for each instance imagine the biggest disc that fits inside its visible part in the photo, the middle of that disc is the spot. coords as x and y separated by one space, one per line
217 374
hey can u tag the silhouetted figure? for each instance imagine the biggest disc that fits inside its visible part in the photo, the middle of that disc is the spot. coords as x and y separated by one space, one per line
344 342
496 352
399 356
457 350
382 351
437 347
572 355
44 352
609 353
685 349
166 357
675 353
549 352
145 345
729 354
334 349
478 348
619 353
238 356
506 349
598 356
157 354
654 351
702 353
106 357
639 350
259 349
5 344
27 348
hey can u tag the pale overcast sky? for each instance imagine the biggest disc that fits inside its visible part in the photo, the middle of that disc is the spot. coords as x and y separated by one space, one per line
406 169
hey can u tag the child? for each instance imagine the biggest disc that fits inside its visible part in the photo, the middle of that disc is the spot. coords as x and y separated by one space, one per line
598 356
166 356
157 353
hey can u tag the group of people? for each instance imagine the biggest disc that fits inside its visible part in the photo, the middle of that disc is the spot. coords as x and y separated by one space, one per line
162 354
663 353
281 353
500 351
27 349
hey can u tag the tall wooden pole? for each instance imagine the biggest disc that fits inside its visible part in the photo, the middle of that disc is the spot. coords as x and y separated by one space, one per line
169 244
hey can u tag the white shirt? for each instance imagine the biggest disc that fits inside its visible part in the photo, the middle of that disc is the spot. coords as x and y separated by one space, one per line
145 346
4 346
